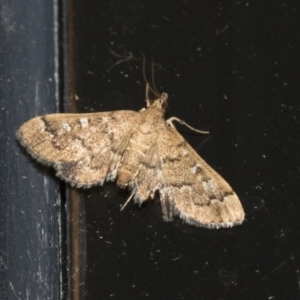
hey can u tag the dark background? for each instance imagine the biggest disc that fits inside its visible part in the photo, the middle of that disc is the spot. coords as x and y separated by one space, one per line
231 68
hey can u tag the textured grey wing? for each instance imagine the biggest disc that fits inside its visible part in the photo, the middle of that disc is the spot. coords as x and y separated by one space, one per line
85 149
191 189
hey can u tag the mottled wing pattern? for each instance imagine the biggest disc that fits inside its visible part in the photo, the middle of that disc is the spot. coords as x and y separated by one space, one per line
85 149
148 177
191 189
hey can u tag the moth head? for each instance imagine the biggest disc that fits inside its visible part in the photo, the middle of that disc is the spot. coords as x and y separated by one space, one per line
161 102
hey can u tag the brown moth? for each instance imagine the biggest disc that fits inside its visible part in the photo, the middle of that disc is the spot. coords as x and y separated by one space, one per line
143 152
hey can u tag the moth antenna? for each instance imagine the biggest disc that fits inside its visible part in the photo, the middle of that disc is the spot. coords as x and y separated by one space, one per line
147 94
144 69
153 82
148 87
170 120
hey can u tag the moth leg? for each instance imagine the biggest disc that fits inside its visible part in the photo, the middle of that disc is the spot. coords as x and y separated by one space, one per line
170 123
127 201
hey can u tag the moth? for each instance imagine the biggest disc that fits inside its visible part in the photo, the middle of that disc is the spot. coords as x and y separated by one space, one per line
141 151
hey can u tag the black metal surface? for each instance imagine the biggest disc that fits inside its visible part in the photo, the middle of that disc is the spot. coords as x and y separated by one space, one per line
30 251
229 68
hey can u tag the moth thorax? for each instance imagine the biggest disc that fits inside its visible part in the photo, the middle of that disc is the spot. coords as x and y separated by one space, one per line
124 178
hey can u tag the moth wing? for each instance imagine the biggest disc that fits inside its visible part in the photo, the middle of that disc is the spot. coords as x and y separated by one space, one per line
191 189
85 149
149 176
